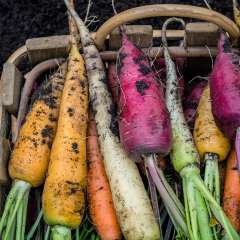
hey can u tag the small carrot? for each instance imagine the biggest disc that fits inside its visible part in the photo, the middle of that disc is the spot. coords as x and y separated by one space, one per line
130 198
211 143
231 196
99 193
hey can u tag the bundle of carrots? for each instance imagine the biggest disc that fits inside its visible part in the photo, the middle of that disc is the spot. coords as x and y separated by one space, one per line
92 186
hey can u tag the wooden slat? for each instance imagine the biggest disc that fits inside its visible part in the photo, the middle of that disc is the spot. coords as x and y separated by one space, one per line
191 52
202 34
4 144
11 81
40 49
171 34
139 34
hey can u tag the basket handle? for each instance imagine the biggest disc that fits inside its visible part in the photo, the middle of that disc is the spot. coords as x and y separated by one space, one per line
165 10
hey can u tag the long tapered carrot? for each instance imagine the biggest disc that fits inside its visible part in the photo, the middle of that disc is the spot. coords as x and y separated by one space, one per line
130 198
64 189
99 193
231 196
197 198
30 157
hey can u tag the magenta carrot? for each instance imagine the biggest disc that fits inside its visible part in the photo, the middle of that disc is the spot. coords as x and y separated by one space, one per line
225 89
144 120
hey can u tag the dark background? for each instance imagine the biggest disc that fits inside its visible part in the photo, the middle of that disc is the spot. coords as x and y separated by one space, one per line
23 19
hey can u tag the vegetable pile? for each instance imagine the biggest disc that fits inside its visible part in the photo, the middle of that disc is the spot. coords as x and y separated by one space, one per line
119 150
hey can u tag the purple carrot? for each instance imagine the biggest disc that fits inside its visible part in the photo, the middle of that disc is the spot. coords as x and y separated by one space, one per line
225 91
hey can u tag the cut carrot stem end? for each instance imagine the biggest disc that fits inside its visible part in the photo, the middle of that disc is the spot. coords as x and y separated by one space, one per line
237 146
61 233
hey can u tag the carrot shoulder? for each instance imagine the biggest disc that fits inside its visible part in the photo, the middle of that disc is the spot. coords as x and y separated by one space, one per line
231 196
99 194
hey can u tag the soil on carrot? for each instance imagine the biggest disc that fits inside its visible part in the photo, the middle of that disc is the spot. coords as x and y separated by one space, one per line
25 19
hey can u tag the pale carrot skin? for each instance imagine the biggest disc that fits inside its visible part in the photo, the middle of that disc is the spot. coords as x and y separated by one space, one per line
231 196
65 185
100 200
30 157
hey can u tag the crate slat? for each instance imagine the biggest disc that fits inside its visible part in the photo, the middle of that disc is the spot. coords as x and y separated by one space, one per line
142 35
43 48
11 82
202 34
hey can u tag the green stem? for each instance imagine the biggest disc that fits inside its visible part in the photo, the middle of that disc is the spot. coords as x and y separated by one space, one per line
35 225
185 194
19 221
12 231
77 234
9 202
215 207
203 217
92 236
23 187
61 233
46 235
87 232
24 215
192 209
40 232
212 181
171 193
174 208
197 210
211 175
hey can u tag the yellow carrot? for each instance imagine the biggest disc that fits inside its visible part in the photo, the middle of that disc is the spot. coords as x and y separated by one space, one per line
64 189
30 156
211 143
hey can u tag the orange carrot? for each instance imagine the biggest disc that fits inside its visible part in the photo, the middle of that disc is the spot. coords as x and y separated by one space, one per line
29 159
99 194
64 188
231 196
